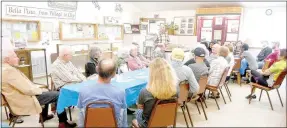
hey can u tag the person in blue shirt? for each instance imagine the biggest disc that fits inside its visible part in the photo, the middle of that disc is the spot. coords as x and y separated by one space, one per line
103 90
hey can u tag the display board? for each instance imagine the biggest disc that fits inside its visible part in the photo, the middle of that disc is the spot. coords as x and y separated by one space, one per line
77 31
185 25
110 32
21 29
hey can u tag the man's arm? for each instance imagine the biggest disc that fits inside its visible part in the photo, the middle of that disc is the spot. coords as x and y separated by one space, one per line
18 81
193 85
133 65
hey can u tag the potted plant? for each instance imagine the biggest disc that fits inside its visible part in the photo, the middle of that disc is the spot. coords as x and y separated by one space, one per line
171 28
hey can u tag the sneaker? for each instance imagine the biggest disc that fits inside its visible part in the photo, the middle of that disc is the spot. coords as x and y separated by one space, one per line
249 96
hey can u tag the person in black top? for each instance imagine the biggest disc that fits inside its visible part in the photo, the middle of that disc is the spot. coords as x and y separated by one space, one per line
263 54
90 68
192 61
210 46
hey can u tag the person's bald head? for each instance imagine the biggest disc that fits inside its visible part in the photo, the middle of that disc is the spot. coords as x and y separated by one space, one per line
107 68
66 53
10 57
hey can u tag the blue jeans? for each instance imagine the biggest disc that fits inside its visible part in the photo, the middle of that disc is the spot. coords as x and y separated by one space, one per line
243 67
141 121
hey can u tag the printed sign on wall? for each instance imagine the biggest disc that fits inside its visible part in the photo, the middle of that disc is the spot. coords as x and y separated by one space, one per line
39 12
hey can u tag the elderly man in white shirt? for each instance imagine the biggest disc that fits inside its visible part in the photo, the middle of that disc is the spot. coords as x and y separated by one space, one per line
63 70
217 68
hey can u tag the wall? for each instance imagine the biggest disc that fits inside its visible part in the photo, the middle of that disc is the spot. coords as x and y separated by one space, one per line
86 12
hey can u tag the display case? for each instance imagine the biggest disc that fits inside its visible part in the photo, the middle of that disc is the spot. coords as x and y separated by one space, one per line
220 24
26 65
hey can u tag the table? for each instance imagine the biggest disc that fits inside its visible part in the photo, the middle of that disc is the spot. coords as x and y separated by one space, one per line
132 82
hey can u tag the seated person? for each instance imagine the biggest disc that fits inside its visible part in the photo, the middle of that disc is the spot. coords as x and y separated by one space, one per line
192 60
213 55
161 85
263 54
90 67
269 76
211 45
159 51
134 62
123 56
183 72
274 55
199 68
230 60
143 59
103 90
217 68
24 97
250 59
63 71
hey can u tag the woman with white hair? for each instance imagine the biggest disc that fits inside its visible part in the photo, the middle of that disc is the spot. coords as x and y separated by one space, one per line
90 68
123 55
134 62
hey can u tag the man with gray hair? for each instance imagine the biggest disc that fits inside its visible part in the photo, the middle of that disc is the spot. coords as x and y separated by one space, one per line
23 96
63 70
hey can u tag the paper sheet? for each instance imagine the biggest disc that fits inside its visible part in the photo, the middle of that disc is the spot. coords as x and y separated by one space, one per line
34 35
217 34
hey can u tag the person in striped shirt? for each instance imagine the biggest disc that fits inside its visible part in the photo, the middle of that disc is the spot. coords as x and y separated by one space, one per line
63 70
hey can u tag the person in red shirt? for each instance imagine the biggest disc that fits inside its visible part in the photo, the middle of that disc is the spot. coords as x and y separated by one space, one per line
273 57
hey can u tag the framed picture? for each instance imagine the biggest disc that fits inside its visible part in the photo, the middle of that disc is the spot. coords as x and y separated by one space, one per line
135 29
185 25
127 28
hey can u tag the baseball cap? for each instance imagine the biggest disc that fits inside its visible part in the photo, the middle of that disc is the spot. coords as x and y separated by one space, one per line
177 54
199 52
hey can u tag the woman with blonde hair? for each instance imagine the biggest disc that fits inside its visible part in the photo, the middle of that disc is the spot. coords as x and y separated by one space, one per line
161 85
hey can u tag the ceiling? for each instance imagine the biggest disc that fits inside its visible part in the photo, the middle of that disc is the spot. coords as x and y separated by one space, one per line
162 6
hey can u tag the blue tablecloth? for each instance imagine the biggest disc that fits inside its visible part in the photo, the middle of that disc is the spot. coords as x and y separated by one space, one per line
132 82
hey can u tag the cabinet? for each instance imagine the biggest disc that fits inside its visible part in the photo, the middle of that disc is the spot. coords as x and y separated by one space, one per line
25 62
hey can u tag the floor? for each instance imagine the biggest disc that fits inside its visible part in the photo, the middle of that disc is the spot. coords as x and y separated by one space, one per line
236 113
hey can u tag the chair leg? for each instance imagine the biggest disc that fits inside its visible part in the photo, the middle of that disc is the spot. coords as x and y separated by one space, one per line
203 108
14 121
189 115
269 100
6 112
227 89
228 93
260 94
205 103
41 120
208 94
197 107
253 88
222 96
70 113
217 104
279 97
182 108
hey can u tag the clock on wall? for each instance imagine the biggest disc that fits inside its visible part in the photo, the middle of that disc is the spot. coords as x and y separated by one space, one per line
268 12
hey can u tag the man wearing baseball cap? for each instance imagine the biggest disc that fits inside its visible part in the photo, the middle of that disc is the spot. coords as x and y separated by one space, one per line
199 68
183 72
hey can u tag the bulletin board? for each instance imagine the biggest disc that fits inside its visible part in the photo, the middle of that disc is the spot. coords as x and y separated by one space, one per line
77 31
185 25
110 32
19 29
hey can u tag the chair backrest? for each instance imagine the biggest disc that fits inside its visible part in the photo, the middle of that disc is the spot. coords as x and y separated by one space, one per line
266 65
3 98
53 88
183 91
280 79
53 57
166 108
99 116
202 83
223 77
237 64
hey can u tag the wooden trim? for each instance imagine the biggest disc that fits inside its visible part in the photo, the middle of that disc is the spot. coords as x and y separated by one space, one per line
110 25
223 10
24 20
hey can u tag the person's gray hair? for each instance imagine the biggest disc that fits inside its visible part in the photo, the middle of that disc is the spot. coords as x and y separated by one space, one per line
94 51
6 53
7 48
133 47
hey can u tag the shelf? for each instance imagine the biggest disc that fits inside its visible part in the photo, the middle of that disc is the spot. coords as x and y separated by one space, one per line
22 66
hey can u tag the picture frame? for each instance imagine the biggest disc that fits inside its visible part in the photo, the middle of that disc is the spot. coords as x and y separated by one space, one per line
186 25
127 28
135 29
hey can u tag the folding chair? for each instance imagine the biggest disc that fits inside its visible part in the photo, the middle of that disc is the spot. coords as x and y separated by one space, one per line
276 85
99 116
218 87
15 116
4 104
202 85
166 108
182 100
235 70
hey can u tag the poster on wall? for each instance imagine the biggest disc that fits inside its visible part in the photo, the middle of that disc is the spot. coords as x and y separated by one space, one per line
127 28
207 23
232 25
185 25
136 29
217 34
206 34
